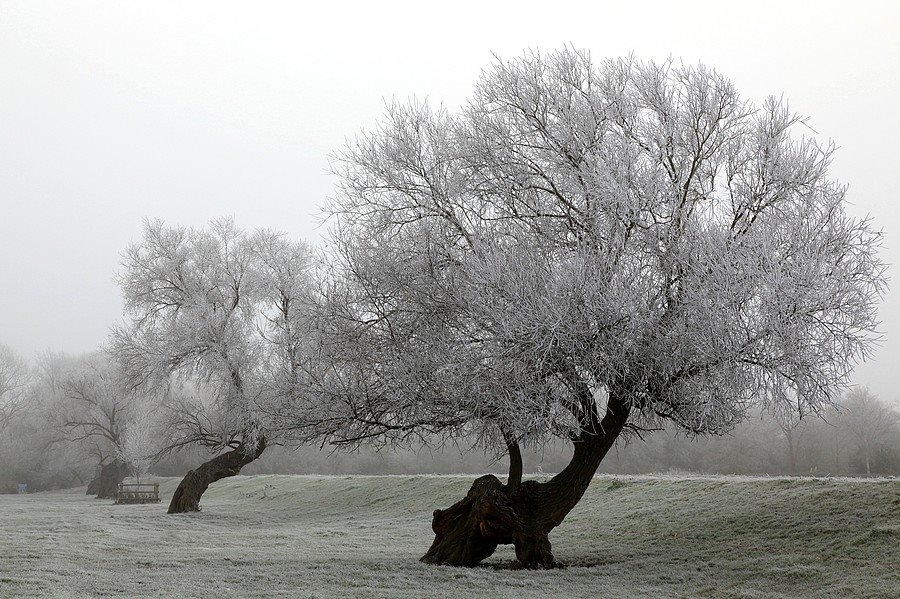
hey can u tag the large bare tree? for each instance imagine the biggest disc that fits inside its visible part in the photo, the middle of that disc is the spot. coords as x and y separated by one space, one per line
585 250
217 318
872 424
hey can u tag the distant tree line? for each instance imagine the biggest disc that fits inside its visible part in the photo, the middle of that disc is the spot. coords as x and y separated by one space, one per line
859 438
837 444
834 445
52 436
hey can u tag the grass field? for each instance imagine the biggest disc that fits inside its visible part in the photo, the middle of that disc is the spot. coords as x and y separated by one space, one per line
309 536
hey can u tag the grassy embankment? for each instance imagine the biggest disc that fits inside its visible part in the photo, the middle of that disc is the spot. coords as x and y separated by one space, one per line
308 536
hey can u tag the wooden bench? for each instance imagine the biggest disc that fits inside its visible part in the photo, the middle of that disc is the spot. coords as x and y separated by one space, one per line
137 493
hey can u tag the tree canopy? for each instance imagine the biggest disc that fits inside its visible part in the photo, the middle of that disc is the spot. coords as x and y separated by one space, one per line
583 230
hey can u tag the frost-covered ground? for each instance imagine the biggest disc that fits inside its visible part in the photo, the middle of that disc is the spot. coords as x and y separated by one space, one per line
308 536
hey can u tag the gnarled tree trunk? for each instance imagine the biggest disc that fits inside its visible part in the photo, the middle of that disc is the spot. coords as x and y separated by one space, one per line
106 483
522 514
194 484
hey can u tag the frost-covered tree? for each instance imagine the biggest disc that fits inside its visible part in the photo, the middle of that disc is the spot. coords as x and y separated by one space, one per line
143 439
216 316
587 249
87 400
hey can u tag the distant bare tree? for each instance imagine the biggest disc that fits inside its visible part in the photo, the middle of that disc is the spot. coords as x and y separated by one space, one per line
585 250
790 422
871 423
14 378
87 398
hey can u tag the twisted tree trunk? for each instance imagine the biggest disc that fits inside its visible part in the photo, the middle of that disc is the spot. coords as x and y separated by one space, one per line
194 484
522 514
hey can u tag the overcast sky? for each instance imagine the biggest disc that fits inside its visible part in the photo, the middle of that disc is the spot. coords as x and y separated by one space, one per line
114 112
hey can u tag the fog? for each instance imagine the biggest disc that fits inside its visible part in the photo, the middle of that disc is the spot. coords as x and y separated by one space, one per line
112 113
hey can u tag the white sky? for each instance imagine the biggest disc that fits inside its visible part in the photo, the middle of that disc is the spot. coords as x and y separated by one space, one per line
114 112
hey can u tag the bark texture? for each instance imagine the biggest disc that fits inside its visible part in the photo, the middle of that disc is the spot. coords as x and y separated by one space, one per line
522 514
194 484
106 483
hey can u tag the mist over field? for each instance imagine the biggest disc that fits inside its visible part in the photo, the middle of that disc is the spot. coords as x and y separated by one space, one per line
501 299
